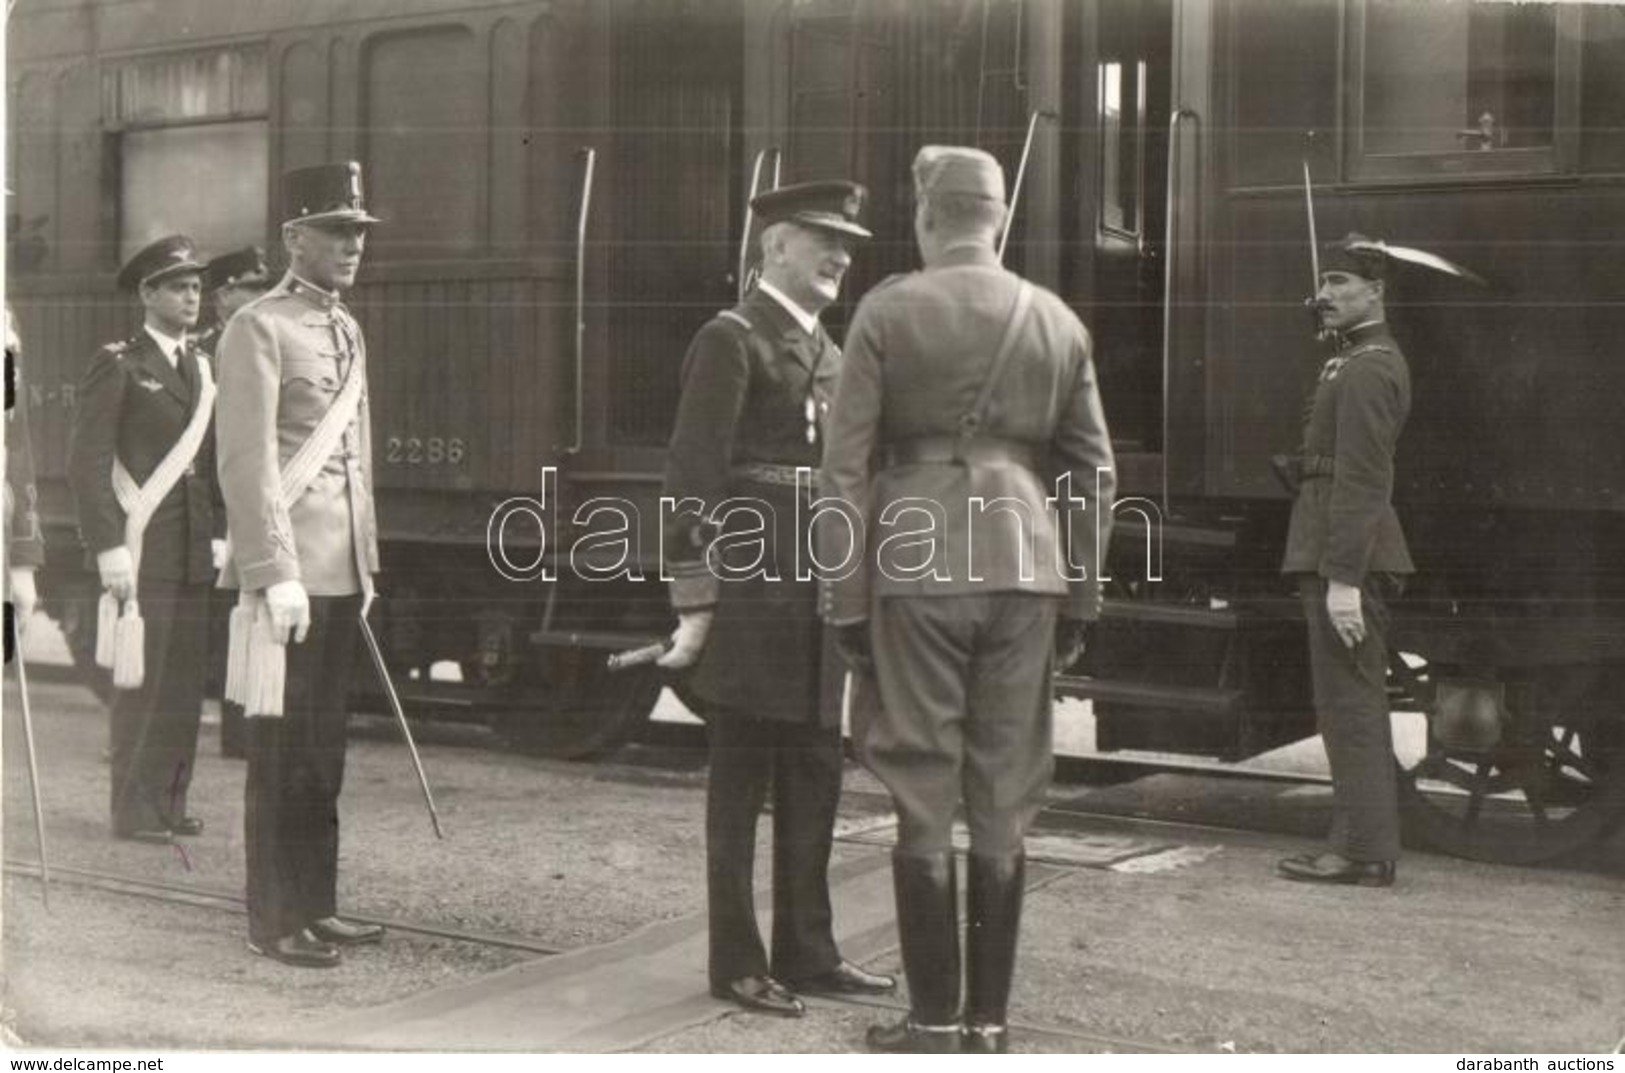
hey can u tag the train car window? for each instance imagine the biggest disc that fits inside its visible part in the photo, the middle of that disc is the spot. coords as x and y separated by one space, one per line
1459 89
1602 94
1121 98
1285 91
209 182
425 142
193 146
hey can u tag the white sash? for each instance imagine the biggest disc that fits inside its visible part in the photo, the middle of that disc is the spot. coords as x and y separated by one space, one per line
139 501
256 664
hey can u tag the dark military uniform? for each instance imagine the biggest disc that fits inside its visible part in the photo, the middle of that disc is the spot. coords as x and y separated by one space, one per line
133 406
1344 529
742 430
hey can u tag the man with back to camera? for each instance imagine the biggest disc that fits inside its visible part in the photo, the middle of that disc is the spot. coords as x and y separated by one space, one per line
965 390
757 382
296 469
230 281
141 468
1348 553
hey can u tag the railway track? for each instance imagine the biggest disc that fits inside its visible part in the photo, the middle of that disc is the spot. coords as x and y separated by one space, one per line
221 901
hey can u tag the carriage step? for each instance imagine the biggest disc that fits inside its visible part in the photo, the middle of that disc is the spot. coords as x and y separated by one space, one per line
1169 614
1151 695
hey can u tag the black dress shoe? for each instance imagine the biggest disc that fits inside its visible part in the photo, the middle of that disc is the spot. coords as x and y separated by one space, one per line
157 836
189 826
844 979
343 933
985 1039
762 994
1335 868
301 949
906 1037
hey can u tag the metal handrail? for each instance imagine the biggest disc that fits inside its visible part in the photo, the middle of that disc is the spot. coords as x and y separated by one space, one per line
1178 116
1021 174
578 430
755 188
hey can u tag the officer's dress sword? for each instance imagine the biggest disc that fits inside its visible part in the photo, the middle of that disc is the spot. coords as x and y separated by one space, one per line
33 760
378 665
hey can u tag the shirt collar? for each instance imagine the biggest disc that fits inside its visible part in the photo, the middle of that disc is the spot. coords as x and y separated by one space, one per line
168 345
808 321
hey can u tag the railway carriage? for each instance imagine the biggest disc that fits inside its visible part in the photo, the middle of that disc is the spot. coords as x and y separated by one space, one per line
565 186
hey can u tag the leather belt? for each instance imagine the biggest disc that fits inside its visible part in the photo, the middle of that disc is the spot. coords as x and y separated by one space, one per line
960 451
774 473
1316 466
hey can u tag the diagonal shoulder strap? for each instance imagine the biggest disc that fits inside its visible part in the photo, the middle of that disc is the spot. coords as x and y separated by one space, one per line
971 421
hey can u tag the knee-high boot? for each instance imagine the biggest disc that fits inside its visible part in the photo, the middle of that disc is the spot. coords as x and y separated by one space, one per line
928 926
996 887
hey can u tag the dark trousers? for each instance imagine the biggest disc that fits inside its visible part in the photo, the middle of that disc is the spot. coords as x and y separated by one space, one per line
295 773
1351 713
965 712
154 731
802 765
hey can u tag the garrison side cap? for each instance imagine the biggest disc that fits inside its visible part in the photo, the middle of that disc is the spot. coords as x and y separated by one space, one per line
325 193
239 268
958 169
830 205
1355 254
171 255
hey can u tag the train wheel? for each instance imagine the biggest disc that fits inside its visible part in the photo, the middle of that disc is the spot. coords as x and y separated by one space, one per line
1553 783
571 707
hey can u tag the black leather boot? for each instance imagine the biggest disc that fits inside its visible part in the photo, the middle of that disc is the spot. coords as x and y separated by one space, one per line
994 911
928 925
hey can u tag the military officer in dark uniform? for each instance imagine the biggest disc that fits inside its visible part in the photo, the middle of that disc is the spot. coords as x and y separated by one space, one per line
296 470
1348 553
756 387
143 419
970 393
25 542
231 281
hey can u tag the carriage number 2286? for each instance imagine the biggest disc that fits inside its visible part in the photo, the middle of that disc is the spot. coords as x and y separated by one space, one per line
425 451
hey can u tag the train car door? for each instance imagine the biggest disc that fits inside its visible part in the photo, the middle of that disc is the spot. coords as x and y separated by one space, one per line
668 194
1134 93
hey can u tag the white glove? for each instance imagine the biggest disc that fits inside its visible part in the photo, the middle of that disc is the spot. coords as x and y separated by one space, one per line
687 640
217 554
289 609
1343 607
24 597
117 568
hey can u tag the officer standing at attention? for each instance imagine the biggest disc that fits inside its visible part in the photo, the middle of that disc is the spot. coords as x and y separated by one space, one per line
1347 551
231 281
296 469
141 466
24 540
967 402
756 387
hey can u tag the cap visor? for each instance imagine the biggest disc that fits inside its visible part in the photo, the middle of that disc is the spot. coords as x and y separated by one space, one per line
164 273
830 223
338 216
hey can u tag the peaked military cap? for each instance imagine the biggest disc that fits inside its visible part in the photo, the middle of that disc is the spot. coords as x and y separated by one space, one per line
832 205
157 261
239 268
1355 254
325 193
958 169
